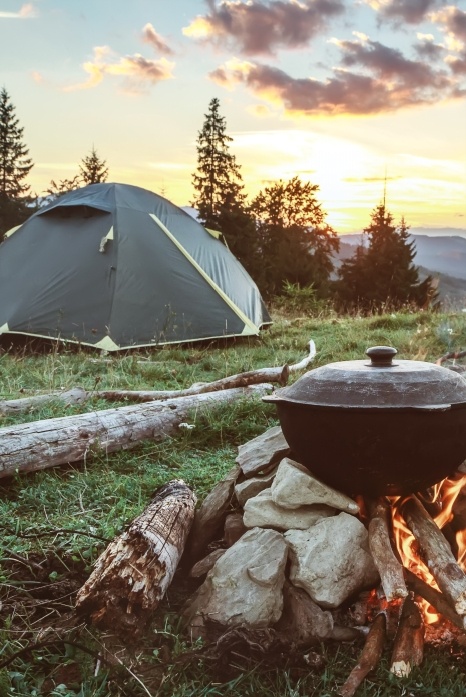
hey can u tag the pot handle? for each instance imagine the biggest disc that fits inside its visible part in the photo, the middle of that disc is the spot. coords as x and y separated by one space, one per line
381 356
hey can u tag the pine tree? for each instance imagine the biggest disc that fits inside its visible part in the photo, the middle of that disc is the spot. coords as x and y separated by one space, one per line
93 170
295 243
217 182
15 165
382 274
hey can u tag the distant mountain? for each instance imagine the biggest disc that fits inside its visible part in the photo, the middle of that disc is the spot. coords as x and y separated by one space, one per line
442 256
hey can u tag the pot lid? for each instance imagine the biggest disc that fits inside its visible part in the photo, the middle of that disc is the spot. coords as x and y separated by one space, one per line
378 382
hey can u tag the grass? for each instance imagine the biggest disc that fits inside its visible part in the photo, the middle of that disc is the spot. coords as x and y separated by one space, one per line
56 522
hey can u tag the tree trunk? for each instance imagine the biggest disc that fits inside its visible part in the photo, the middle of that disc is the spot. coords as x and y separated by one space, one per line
133 573
40 444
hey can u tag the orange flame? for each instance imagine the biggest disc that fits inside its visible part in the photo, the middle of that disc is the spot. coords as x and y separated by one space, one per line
444 494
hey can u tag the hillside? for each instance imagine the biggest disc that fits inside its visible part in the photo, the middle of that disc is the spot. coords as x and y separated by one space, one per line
442 256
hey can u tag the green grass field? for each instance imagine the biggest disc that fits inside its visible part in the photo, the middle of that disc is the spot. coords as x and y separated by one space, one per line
55 523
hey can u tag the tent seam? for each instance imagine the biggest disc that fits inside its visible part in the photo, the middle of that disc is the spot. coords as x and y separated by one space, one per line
248 322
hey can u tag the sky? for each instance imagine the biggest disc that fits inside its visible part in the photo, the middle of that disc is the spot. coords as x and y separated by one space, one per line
363 98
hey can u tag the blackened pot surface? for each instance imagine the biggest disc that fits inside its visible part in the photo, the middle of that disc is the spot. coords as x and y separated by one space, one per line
375 452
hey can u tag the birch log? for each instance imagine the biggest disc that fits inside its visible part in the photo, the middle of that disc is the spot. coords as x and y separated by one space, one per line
133 573
50 442
438 556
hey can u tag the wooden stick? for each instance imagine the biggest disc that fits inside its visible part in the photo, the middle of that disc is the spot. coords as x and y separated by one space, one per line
439 559
370 656
77 395
254 377
40 444
434 598
408 648
388 566
133 573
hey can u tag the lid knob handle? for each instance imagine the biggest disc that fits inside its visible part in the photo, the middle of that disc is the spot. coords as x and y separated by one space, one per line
381 356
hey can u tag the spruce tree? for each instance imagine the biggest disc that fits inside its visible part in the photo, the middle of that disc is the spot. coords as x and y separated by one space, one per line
217 181
92 169
382 275
15 165
219 191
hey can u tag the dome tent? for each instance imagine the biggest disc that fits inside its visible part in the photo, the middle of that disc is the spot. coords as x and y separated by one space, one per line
116 266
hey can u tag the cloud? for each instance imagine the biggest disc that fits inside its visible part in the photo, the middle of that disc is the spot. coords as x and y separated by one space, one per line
385 81
150 36
389 64
452 21
27 11
259 28
427 49
404 11
138 72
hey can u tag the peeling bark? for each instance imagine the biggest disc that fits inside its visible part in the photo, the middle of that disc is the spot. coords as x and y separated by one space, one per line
133 573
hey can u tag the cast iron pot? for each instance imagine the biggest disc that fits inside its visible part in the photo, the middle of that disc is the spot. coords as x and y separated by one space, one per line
377 426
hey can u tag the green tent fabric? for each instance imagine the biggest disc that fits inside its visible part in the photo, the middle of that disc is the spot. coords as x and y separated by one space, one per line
116 267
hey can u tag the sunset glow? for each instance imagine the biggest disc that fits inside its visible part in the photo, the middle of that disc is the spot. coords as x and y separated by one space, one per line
358 98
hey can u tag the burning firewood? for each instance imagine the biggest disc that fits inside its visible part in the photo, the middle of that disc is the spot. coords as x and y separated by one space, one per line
133 573
436 599
370 656
408 648
443 566
388 566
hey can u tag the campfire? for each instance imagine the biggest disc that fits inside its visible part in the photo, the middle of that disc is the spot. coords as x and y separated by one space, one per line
314 564
283 555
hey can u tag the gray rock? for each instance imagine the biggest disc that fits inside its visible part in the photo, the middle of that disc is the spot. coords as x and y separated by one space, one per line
260 453
209 519
251 487
331 560
261 511
294 486
245 587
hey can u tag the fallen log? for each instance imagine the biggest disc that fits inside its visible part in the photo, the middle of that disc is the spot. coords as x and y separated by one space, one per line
434 598
132 575
438 556
370 656
388 566
408 647
50 442
76 395
253 377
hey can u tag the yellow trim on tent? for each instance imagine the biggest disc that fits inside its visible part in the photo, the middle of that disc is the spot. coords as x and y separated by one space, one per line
11 231
249 323
4 328
107 344
214 233
151 344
